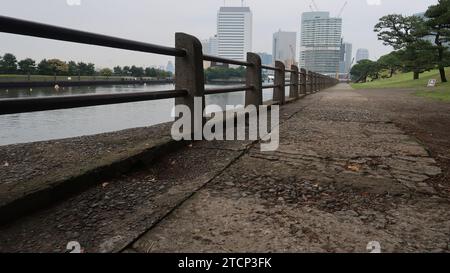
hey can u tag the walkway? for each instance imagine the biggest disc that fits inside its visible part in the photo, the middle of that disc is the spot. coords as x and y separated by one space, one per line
345 174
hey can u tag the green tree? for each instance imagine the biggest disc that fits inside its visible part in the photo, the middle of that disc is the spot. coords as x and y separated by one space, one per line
137 71
72 68
86 69
8 64
126 71
90 69
106 72
391 62
118 71
439 27
215 73
418 57
44 68
405 33
364 69
398 31
27 66
151 72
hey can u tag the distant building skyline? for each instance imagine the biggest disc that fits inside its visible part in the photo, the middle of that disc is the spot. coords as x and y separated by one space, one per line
170 67
211 46
234 32
284 46
320 42
362 54
346 57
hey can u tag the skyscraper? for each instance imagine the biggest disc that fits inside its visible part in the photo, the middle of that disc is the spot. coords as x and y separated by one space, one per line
284 46
210 46
170 67
234 32
362 54
320 42
346 57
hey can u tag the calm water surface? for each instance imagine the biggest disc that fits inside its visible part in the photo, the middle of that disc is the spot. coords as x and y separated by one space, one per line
38 126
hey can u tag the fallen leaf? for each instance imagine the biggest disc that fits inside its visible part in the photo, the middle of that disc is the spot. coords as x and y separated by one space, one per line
354 167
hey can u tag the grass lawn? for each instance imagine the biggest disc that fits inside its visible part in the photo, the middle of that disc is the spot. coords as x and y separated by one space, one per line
405 80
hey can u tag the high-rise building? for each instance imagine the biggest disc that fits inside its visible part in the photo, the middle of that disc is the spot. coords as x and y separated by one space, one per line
346 57
266 58
284 46
320 42
234 32
362 54
210 46
170 67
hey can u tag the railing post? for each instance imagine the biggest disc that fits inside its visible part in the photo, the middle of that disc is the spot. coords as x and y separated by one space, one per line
303 90
311 82
254 78
320 82
189 76
315 82
293 90
280 78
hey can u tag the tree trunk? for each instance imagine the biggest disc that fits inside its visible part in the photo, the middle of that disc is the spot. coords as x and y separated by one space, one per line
442 72
416 75
440 57
392 73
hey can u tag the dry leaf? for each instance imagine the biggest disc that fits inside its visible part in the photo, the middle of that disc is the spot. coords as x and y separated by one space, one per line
354 167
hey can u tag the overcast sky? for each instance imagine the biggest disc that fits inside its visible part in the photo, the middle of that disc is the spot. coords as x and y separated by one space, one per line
156 21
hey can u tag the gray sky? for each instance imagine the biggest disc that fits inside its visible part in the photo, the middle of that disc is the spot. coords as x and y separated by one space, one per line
156 21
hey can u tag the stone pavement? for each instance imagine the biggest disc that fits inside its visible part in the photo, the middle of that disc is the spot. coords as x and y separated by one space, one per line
345 175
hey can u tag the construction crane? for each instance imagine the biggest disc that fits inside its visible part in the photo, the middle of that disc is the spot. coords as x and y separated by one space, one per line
313 6
292 61
342 9
314 3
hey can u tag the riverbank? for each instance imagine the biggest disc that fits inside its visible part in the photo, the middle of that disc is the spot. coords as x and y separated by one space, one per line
68 83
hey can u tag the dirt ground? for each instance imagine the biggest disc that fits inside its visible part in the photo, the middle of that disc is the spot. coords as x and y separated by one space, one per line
353 167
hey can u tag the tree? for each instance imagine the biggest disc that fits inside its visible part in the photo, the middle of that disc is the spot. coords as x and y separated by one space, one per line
137 71
417 57
44 68
106 72
86 69
364 69
126 71
391 62
27 66
72 68
58 67
8 64
214 73
398 31
406 34
118 71
151 72
439 27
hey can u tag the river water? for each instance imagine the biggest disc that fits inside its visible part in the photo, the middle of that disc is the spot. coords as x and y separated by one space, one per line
57 124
